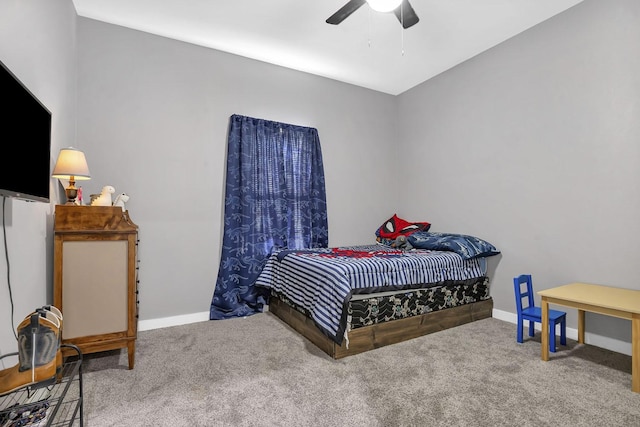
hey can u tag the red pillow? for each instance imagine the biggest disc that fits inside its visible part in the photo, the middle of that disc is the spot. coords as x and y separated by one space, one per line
395 226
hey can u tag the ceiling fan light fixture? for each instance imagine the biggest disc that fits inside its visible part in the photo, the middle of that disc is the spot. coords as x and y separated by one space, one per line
401 8
384 5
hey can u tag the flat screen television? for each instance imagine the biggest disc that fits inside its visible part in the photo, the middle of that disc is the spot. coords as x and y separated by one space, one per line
25 153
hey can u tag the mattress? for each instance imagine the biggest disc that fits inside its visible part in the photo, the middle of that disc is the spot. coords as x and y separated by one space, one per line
321 282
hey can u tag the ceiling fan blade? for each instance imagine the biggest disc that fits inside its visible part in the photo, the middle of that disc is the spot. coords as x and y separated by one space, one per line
344 12
406 15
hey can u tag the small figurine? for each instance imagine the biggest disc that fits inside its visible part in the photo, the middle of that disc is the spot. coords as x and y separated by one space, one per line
79 198
120 200
104 199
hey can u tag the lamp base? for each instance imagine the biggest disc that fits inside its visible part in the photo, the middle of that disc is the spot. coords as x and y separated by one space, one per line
71 192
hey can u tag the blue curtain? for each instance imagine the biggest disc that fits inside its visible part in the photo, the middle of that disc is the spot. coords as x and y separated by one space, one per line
275 198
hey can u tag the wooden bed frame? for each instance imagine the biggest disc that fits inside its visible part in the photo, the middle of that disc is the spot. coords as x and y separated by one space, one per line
371 337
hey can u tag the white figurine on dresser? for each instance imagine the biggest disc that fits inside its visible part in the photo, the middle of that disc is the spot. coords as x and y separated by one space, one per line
104 199
120 200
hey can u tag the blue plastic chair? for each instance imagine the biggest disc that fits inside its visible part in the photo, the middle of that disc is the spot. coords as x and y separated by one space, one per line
527 310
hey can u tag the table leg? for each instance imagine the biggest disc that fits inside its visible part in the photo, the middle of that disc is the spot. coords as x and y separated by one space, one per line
581 326
635 353
545 329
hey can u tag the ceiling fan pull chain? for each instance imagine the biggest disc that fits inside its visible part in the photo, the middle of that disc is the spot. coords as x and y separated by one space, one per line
402 26
369 28
369 25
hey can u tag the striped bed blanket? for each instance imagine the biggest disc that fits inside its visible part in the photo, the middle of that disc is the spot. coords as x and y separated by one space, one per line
322 281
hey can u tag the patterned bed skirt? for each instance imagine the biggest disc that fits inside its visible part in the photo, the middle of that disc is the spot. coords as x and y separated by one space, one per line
376 309
372 309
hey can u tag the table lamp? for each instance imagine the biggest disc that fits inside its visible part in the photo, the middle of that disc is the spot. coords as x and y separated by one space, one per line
71 165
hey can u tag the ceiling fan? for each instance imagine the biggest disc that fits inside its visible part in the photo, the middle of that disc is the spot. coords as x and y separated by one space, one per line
401 8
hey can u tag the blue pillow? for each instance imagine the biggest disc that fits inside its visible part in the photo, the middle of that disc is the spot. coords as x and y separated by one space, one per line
466 246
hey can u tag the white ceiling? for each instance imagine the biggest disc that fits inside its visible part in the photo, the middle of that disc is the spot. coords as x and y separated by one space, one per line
367 49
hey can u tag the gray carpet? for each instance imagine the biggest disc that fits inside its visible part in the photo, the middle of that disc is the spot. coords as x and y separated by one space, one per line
256 371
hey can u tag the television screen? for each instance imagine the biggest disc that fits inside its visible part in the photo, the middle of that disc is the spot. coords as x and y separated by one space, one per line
25 126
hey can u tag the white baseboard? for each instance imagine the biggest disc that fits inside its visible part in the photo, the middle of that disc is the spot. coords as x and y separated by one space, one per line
591 339
165 322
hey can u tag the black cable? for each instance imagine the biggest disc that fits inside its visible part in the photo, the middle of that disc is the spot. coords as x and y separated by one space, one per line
6 256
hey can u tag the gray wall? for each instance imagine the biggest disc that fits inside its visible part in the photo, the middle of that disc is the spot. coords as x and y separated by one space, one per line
37 43
535 146
153 115
532 145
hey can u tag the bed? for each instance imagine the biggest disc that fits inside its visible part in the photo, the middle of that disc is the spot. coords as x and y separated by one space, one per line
347 300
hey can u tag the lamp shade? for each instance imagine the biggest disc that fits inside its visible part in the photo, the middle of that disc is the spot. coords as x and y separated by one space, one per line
384 5
71 164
